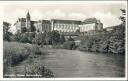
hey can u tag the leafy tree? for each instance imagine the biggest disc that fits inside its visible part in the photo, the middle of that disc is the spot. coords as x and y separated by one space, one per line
6 34
23 30
55 37
39 39
122 17
70 38
16 37
48 38
62 39
31 36
69 45
24 38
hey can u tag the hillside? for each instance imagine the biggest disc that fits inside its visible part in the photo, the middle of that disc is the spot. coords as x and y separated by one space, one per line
112 41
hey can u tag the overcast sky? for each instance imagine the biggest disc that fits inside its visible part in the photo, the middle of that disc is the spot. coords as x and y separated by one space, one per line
108 13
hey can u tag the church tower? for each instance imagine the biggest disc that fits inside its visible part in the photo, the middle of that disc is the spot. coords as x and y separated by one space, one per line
28 22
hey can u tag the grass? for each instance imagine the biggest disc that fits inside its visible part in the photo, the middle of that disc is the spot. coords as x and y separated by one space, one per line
19 58
16 52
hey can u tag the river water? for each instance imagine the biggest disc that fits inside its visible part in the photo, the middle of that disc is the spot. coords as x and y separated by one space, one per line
74 63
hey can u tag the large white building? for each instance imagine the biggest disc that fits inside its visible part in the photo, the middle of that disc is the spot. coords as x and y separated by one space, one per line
64 26
43 26
91 24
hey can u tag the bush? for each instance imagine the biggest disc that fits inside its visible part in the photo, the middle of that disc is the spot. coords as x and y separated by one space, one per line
15 52
16 37
6 33
108 42
69 45
24 38
37 69
39 39
62 39
37 50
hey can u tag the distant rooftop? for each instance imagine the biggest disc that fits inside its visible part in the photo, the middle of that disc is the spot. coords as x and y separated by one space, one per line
66 21
90 20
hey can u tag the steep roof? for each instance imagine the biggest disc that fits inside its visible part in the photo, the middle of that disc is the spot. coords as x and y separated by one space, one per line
28 15
90 20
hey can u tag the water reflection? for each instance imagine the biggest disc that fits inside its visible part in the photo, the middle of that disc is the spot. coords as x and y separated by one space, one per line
74 63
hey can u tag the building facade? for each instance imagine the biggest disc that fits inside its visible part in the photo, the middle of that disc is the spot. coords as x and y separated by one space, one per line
65 25
25 24
91 24
20 24
43 26
62 26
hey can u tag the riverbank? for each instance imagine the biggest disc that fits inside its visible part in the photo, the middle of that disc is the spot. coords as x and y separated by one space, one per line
20 61
112 41
62 63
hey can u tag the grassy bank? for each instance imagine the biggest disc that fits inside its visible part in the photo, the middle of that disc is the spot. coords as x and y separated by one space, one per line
19 60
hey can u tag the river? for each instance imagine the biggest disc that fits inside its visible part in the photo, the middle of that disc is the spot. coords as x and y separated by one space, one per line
74 63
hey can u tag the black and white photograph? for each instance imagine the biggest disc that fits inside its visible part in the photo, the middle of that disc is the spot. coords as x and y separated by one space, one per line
61 39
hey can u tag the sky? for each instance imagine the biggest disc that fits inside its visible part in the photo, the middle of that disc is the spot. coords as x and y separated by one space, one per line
108 12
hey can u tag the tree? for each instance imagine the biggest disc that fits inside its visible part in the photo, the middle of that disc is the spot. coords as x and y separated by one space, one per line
16 37
69 45
24 38
70 38
23 30
39 39
62 39
31 36
55 37
6 34
122 17
48 38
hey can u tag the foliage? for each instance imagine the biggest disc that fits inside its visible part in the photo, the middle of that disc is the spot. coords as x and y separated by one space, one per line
52 38
39 39
6 34
70 39
23 30
14 53
110 42
62 39
122 17
69 45
24 38
16 37
55 36
31 36
48 38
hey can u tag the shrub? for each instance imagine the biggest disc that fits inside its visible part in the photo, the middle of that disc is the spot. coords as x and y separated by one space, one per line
15 52
106 42
24 38
69 45
6 33
37 69
62 39
39 39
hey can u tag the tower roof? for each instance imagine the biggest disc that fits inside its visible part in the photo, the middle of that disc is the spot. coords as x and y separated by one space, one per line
28 15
